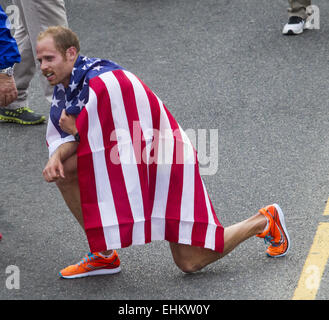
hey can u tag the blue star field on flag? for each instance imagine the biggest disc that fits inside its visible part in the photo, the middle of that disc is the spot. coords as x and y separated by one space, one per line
75 96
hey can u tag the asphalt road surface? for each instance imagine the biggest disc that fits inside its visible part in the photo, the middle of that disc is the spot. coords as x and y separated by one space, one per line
216 64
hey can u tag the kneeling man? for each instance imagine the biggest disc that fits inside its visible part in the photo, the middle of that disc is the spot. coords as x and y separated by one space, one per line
126 169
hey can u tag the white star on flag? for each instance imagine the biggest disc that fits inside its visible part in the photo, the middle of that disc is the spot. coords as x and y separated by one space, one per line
97 68
60 87
54 102
80 103
68 104
73 86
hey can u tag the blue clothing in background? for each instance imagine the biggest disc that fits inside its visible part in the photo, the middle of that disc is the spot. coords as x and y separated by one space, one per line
9 53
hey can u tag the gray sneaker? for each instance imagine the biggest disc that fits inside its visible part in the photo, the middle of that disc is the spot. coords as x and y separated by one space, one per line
23 115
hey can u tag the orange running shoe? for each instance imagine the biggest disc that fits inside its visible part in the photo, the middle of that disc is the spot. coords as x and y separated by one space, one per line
276 232
91 265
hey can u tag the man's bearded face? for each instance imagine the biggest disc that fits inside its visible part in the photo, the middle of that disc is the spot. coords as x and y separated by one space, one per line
55 66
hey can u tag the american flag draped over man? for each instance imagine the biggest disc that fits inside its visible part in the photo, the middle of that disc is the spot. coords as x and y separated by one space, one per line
139 180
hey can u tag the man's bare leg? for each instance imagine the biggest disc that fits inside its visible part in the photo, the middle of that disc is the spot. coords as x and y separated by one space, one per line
191 259
70 190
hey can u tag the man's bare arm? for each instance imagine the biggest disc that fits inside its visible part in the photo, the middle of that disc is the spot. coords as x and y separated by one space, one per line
54 168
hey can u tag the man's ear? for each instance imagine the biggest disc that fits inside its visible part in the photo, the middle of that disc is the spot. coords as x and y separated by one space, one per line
71 53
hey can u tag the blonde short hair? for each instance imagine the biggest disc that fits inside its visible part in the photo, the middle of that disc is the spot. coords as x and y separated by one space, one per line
64 38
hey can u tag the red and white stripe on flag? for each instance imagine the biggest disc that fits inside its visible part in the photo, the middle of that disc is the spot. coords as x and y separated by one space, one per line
138 171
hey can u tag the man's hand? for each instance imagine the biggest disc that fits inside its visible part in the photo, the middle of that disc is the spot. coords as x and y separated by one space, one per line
67 123
54 169
8 90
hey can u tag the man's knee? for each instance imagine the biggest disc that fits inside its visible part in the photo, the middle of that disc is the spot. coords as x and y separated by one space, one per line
188 266
69 180
70 172
186 257
192 258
